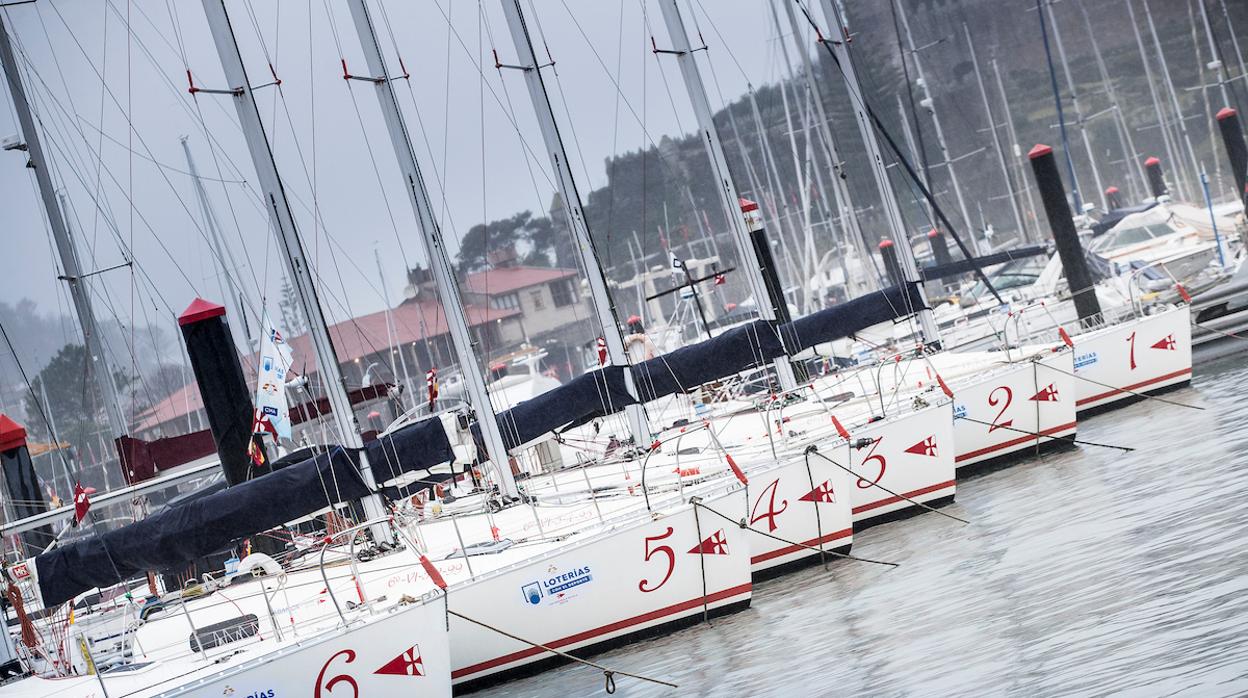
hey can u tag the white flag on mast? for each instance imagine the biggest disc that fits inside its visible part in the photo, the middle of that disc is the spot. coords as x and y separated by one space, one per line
272 410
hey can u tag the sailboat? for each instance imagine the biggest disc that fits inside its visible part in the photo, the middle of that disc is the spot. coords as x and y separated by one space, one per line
644 536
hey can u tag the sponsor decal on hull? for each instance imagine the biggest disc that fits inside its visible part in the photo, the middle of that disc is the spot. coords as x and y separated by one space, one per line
558 588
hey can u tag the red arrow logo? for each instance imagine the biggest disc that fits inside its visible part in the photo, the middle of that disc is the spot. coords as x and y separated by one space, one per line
409 663
715 544
823 493
1166 343
926 447
1049 394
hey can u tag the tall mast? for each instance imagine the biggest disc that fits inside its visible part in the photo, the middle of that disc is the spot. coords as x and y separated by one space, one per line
779 204
1166 137
1230 30
930 105
1135 165
728 196
1202 66
392 330
1014 146
273 194
840 184
1074 105
1214 61
996 137
224 256
435 248
101 368
1174 97
888 199
577 222
1061 118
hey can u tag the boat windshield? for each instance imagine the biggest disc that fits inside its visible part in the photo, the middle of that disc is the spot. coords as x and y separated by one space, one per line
1136 234
1018 273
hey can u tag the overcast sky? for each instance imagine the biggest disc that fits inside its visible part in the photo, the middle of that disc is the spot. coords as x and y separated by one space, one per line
476 137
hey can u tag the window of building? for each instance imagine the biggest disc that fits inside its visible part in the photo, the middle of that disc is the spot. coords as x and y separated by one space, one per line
509 301
562 293
538 302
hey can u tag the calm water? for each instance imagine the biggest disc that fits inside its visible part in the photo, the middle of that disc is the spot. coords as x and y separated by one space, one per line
1085 572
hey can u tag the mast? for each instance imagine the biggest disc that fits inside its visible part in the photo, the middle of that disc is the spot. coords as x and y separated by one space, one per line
392 330
996 137
577 222
1074 105
1134 164
1201 67
929 332
779 204
435 248
728 196
233 295
930 104
1017 150
1061 118
1174 97
1166 136
1214 61
1230 30
273 194
97 359
845 202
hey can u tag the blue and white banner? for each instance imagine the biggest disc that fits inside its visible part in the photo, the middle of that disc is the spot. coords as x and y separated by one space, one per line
272 410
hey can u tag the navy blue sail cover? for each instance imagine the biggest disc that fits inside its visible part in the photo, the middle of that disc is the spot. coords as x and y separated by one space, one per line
849 318
171 538
932 272
581 398
724 355
417 446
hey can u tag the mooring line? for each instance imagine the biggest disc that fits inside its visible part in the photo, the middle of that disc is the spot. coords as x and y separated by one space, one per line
813 449
833 553
608 673
1070 439
1224 333
1120 389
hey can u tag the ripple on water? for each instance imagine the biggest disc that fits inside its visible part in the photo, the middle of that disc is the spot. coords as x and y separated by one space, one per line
1084 572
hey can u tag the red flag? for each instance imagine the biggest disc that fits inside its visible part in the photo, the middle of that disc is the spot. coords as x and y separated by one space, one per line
720 280
1048 394
944 386
715 544
82 502
602 351
1166 343
431 384
823 493
409 663
1065 337
926 447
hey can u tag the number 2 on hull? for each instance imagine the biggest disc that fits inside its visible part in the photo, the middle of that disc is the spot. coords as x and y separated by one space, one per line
992 402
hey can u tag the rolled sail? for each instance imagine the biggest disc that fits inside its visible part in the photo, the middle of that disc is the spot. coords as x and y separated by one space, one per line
193 530
849 318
